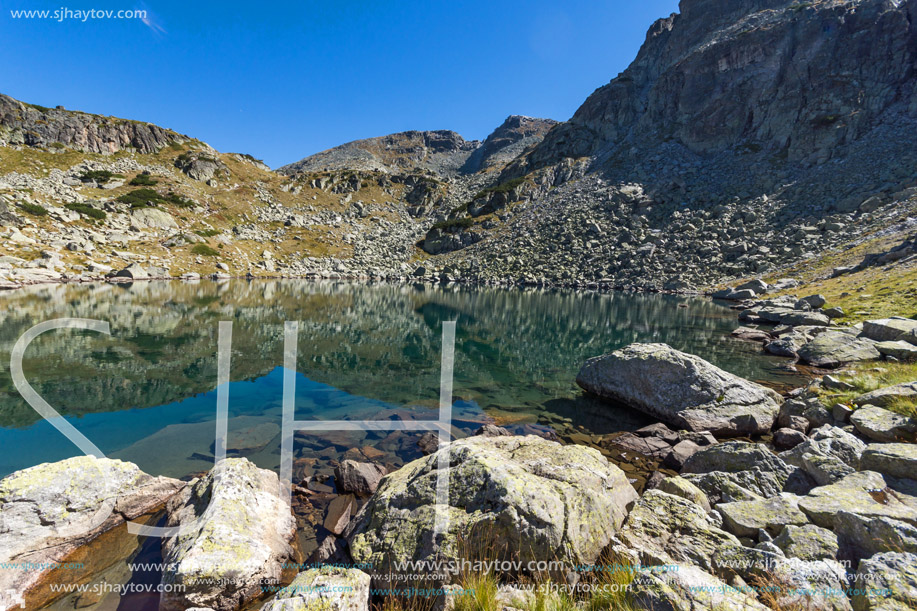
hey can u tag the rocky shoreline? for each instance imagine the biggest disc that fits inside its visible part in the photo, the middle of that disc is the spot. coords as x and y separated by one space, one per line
766 501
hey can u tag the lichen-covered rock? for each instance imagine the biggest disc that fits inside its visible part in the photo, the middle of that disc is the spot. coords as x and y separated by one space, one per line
536 498
154 218
882 425
891 459
888 329
861 537
807 542
688 587
679 486
828 441
324 589
50 510
864 493
681 389
834 348
664 529
816 585
888 582
884 397
746 518
901 350
241 540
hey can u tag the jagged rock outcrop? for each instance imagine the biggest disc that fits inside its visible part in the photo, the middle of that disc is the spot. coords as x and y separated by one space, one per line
32 125
799 77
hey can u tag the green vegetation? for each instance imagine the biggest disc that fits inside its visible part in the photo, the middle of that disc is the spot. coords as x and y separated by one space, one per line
147 198
99 176
39 108
503 187
454 225
868 376
188 157
204 250
143 180
87 210
481 593
33 209
252 158
208 233
141 198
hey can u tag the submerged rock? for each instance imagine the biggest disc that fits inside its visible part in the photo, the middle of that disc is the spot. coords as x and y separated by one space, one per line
241 541
50 510
681 389
531 498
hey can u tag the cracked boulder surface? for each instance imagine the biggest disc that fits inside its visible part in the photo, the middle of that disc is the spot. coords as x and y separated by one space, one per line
518 498
49 511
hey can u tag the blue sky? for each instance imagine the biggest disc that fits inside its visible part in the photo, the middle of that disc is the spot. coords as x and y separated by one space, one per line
284 80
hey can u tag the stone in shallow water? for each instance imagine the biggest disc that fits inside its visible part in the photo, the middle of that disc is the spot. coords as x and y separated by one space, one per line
242 538
50 510
537 498
681 389
327 589
889 583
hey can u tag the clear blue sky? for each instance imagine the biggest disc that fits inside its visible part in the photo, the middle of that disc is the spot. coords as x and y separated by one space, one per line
284 80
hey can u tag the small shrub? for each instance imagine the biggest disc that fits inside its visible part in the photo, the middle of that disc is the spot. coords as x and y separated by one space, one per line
87 210
204 250
39 108
140 198
33 209
454 225
179 201
503 187
143 180
208 233
99 176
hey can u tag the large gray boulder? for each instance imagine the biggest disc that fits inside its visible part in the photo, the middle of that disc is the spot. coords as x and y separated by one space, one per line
834 348
861 537
891 459
666 529
884 397
746 518
888 329
50 510
325 589
889 583
154 218
883 425
241 540
681 389
532 498
864 493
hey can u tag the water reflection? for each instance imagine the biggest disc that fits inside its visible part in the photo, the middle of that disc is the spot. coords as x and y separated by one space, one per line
144 393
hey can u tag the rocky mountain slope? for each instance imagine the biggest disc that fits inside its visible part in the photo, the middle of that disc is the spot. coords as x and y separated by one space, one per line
747 137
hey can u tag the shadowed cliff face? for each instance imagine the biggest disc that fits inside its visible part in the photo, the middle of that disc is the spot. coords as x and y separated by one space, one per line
26 124
802 77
